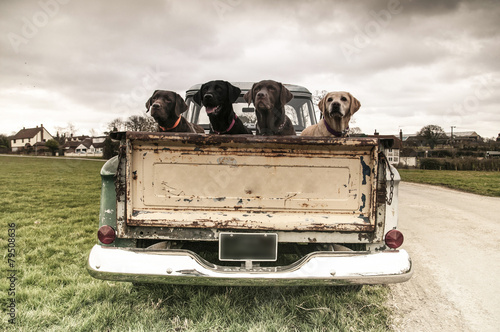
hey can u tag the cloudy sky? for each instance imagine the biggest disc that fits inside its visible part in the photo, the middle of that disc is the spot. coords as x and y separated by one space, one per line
411 63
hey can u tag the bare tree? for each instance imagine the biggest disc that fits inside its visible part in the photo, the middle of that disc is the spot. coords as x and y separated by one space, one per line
355 131
141 123
67 131
316 97
133 123
116 125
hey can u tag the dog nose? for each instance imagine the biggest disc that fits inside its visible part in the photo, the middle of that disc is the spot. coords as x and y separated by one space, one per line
155 105
208 96
261 94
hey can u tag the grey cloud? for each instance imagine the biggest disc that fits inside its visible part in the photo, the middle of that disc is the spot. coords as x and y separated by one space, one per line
103 55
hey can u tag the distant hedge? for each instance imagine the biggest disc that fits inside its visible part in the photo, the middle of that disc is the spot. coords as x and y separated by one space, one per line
460 164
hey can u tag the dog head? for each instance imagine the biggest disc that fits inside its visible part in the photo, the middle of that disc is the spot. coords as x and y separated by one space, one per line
267 95
338 105
165 105
215 94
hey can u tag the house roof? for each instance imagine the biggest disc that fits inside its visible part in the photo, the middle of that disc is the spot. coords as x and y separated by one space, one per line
397 142
71 144
463 134
27 133
87 142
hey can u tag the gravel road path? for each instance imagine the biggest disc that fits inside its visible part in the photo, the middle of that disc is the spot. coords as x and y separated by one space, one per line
454 241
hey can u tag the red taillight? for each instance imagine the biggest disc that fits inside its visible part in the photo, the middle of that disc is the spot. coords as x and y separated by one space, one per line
394 239
106 234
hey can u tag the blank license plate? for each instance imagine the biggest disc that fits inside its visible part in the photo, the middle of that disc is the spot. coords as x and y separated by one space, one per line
248 246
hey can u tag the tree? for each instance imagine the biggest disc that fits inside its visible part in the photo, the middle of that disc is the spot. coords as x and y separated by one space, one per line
431 135
52 145
355 131
4 144
140 123
4 141
316 98
111 148
116 125
67 131
133 123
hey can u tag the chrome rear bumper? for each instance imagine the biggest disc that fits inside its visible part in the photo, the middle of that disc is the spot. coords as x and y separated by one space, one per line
185 267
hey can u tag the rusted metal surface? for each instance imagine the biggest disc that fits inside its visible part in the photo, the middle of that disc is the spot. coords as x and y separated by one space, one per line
212 234
293 184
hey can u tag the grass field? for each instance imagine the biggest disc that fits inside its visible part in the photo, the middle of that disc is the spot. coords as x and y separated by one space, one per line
482 183
54 204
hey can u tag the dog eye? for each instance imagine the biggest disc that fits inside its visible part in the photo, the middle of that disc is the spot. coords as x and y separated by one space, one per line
329 100
343 99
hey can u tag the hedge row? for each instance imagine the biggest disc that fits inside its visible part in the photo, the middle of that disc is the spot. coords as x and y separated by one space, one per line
460 164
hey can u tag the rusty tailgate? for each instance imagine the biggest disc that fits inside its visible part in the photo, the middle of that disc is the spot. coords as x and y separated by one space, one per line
249 182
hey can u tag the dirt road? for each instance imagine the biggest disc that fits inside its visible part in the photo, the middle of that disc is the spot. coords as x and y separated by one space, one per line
454 241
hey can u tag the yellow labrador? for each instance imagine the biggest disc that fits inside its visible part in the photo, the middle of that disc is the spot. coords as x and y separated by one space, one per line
337 109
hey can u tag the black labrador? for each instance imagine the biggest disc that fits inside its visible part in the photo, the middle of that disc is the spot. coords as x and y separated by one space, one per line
166 108
218 98
269 98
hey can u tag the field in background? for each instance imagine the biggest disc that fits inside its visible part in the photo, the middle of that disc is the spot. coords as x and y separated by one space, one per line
482 183
55 205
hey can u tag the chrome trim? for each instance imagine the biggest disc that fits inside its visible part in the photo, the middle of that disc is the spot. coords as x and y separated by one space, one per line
186 267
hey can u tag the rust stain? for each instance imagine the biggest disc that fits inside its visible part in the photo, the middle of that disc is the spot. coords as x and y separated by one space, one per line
273 147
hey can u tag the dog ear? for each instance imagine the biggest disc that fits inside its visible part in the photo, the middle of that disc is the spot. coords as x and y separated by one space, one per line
355 105
322 105
148 103
180 105
285 95
232 92
249 95
197 96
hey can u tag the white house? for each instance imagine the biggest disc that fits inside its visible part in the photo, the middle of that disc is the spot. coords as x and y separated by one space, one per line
30 137
88 147
392 153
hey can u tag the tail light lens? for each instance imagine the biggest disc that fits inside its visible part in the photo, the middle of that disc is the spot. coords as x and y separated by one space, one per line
106 234
394 239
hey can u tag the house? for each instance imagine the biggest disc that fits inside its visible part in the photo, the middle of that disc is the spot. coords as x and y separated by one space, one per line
464 136
458 137
30 138
392 153
85 147
492 154
408 157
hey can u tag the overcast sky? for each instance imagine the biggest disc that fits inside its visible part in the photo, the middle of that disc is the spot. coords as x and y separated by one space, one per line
410 63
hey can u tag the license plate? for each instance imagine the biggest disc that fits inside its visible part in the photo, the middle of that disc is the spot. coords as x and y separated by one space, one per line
248 247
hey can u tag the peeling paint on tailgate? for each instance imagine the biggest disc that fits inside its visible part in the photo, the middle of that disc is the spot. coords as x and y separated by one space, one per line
258 183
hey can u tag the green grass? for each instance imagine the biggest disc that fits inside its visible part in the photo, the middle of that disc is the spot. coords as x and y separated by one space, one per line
55 204
482 183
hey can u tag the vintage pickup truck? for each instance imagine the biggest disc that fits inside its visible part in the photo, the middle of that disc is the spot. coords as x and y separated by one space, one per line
249 210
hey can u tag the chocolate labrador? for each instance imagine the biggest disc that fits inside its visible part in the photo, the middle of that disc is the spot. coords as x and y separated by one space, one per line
337 109
269 98
218 98
166 108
